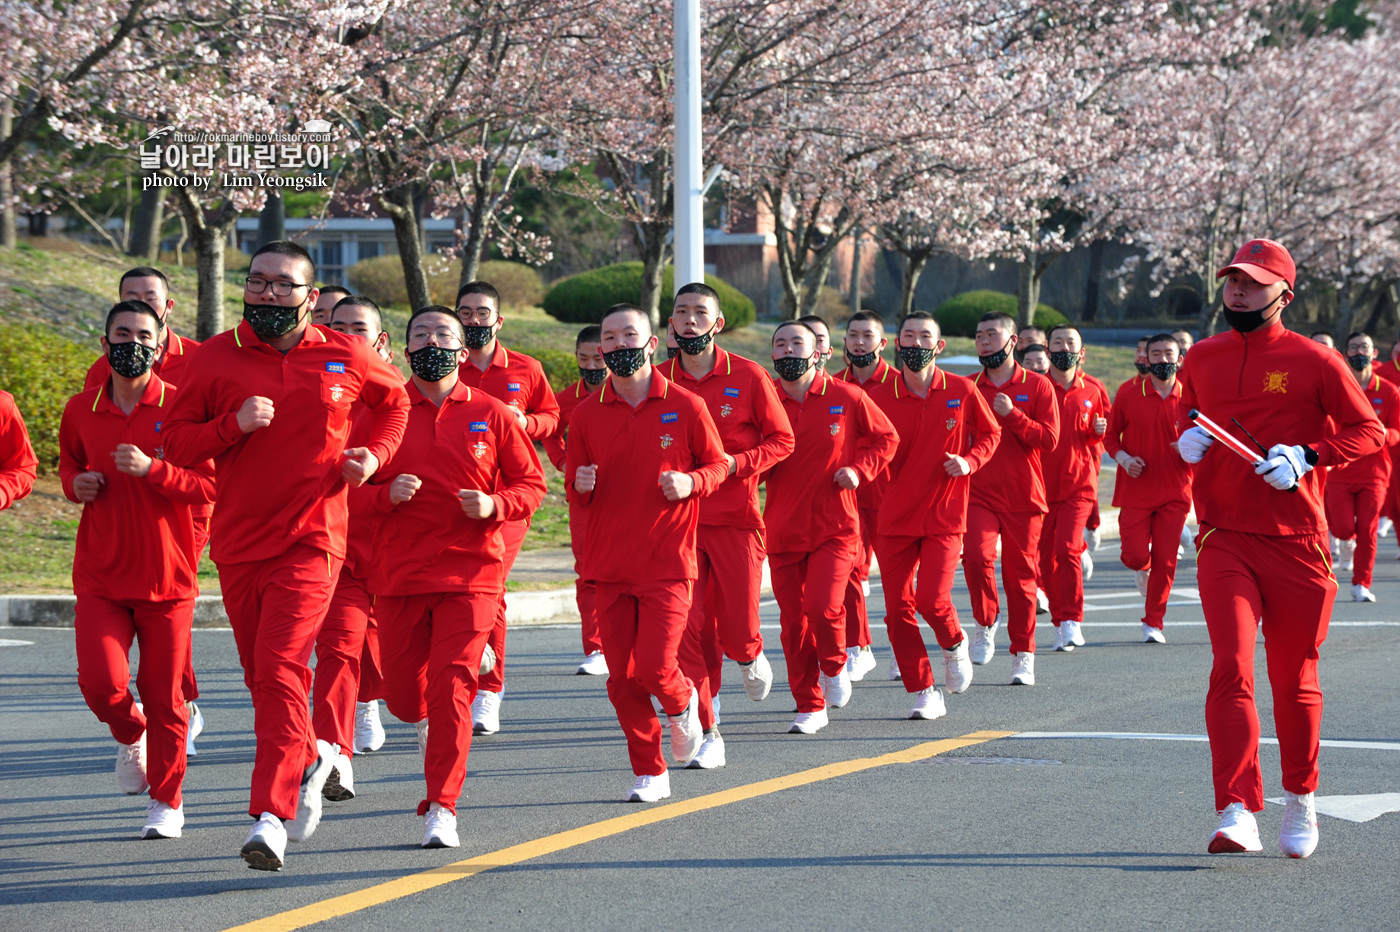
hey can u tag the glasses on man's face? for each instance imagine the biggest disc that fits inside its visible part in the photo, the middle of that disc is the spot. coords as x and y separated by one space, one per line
476 316
279 288
444 337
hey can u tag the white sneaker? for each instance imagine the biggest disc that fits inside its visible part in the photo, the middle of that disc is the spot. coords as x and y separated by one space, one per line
1360 593
1141 577
711 753
486 713
162 821
1062 641
714 707
422 739
865 587
650 789
196 727
1093 538
1188 540
1074 635
1151 635
595 664
1086 566
1042 602
929 704
957 668
131 767
859 662
1237 832
440 828
308 815
369 731
1297 837
1336 544
758 677
893 672
984 642
808 723
1347 557
340 785
836 689
1023 670
266 847
1383 529
686 733
488 663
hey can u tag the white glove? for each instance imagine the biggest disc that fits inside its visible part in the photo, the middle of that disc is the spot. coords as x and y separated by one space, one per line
1193 444
1284 467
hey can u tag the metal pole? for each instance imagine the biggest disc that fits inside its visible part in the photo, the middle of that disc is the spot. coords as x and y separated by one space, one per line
689 238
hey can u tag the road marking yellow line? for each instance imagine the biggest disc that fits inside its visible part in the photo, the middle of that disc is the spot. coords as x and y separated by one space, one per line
426 880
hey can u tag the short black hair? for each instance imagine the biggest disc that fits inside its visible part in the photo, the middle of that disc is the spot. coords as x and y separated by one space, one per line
285 247
482 288
799 322
1034 347
435 309
1034 327
334 289
701 288
1321 333
144 271
920 315
1144 338
359 300
593 333
1002 320
1182 330
620 309
1066 326
810 319
1163 338
1358 333
131 307
865 315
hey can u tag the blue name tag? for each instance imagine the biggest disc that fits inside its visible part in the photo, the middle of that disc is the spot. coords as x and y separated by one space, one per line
1023 397
954 403
158 423
670 417
335 367
512 386
479 427
732 392
837 409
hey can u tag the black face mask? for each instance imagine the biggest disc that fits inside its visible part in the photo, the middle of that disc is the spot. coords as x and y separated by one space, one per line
1164 370
1359 363
592 376
625 362
995 360
694 346
1064 360
1142 368
792 368
672 352
131 360
916 357
433 363
1249 321
475 336
271 321
863 360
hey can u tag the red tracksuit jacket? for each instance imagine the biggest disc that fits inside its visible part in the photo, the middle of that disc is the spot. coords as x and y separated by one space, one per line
1282 387
280 485
1373 469
870 494
1071 469
427 544
18 464
1012 481
921 500
1144 423
835 425
568 399
634 533
136 540
519 381
169 367
752 425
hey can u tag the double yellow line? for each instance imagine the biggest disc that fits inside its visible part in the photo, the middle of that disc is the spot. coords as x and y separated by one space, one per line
427 880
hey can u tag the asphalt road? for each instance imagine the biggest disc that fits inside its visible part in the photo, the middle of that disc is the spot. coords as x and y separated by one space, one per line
1013 833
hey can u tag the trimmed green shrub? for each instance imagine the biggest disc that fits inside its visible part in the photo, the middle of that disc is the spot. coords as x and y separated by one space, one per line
958 316
381 279
42 371
582 298
560 367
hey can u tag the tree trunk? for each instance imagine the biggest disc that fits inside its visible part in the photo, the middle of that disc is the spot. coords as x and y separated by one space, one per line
1350 299
1091 287
1027 291
150 217
650 239
474 243
915 261
1210 285
857 248
209 237
272 220
9 216
399 205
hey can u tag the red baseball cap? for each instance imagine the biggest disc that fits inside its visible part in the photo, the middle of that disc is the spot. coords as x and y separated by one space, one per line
1264 261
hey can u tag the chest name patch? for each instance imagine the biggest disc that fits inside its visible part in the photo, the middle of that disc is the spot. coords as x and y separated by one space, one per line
731 392
955 402
837 409
670 417
512 386
480 427
335 367
1023 398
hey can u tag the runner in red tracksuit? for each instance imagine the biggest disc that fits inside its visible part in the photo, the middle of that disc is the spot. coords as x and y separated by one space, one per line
842 441
1008 498
641 453
1091 536
1071 472
1262 552
754 429
134 569
273 411
592 374
1389 371
18 464
946 432
1152 487
464 468
1355 491
864 342
519 381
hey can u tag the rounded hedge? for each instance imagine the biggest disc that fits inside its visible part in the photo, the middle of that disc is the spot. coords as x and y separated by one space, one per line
958 316
42 371
582 298
381 280
560 367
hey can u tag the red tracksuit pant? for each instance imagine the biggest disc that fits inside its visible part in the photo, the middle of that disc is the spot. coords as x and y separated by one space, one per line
1061 553
724 611
1356 513
642 625
935 560
857 617
103 631
585 593
512 536
1288 582
1149 538
276 607
371 672
339 647
1020 538
431 647
809 588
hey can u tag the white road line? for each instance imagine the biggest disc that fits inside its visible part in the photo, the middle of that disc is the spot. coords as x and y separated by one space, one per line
1352 743
6 642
